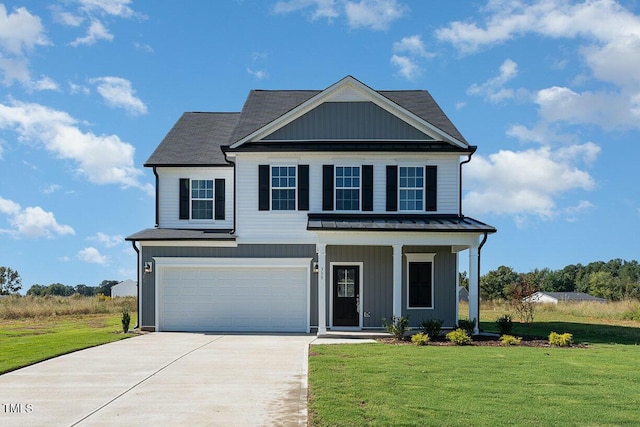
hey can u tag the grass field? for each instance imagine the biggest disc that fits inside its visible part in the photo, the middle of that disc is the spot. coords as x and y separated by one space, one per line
405 385
31 338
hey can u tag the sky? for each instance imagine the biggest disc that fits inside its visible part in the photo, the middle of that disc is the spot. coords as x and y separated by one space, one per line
548 90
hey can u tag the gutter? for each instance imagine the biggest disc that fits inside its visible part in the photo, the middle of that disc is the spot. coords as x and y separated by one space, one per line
139 280
460 182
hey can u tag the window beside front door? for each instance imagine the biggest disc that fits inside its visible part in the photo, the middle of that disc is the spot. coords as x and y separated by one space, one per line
420 289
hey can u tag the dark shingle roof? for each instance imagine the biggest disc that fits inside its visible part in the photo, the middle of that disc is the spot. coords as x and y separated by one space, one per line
195 140
151 234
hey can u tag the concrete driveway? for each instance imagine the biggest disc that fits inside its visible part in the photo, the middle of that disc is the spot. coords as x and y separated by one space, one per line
165 379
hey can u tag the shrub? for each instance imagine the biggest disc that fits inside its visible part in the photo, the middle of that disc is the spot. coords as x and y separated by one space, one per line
631 315
505 324
510 340
467 325
102 297
420 338
126 319
432 327
560 340
397 327
459 337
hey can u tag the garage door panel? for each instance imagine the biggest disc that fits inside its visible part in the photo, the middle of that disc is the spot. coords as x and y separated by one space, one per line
233 299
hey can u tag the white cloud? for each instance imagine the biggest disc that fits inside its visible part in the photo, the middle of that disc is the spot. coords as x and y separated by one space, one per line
96 31
31 222
92 255
51 189
103 159
527 183
407 67
321 8
258 74
373 14
110 7
20 31
493 89
44 83
412 45
14 69
143 47
107 240
119 93
76 88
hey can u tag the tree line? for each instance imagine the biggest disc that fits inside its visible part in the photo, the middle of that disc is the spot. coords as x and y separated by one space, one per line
11 284
614 280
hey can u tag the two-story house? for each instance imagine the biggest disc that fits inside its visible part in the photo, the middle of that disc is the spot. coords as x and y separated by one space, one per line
309 210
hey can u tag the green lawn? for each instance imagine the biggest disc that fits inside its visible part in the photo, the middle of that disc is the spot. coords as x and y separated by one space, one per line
402 385
24 342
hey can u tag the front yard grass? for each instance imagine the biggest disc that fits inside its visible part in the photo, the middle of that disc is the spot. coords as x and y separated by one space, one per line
24 342
403 385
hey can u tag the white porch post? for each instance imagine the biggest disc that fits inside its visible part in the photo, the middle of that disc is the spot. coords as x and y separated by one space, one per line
397 280
474 286
321 249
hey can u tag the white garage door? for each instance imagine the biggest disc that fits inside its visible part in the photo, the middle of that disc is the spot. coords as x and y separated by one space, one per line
232 298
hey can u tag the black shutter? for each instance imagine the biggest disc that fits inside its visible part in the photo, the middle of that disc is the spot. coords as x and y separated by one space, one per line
367 187
263 187
220 199
327 187
431 189
303 187
392 188
184 198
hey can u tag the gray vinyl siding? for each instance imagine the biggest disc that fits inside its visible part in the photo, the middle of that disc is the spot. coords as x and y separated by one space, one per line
348 120
242 251
444 283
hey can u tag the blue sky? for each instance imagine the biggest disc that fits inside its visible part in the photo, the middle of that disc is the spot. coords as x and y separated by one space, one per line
548 90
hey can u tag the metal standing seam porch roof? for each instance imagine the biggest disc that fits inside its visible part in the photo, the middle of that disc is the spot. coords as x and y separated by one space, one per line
391 222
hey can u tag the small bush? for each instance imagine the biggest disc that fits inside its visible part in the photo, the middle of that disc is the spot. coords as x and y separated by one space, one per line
126 319
510 340
467 325
632 315
398 326
459 337
102 297
420 338
432 327
560 340
505 324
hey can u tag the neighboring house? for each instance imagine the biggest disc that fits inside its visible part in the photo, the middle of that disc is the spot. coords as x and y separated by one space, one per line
555 297
127 288
309 210
463 294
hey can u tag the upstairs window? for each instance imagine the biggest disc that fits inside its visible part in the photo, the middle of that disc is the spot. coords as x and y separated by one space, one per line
283 188
411 188
202 199
347 188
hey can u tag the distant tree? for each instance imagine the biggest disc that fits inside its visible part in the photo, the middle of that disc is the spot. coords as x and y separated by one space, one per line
493 284
37 290
463 279
105 287
10 281
85 291
59 289
604 285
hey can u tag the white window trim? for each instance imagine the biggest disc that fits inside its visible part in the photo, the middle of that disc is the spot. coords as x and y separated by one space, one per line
360 278
422 209
271 188
421 257
335 188
213 201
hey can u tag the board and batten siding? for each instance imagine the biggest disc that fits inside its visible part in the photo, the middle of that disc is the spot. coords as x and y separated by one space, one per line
242 251
169 196
255 226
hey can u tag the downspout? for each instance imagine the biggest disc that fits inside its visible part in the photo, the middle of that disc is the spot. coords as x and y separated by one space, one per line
233 230
139 280
484 240
155 172
460 182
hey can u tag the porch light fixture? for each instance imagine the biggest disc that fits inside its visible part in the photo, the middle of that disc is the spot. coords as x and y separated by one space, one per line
315 267
148 267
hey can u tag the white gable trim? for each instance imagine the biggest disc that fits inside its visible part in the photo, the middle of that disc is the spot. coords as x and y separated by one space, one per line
350 89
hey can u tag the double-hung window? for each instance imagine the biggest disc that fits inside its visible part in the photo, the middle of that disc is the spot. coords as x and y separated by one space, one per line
283 188
202 199
411 188
348 188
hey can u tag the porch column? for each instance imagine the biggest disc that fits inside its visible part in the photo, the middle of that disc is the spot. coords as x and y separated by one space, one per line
321 249
397 280
474 286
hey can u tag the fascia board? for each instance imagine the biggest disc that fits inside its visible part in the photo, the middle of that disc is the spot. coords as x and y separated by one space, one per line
378 99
